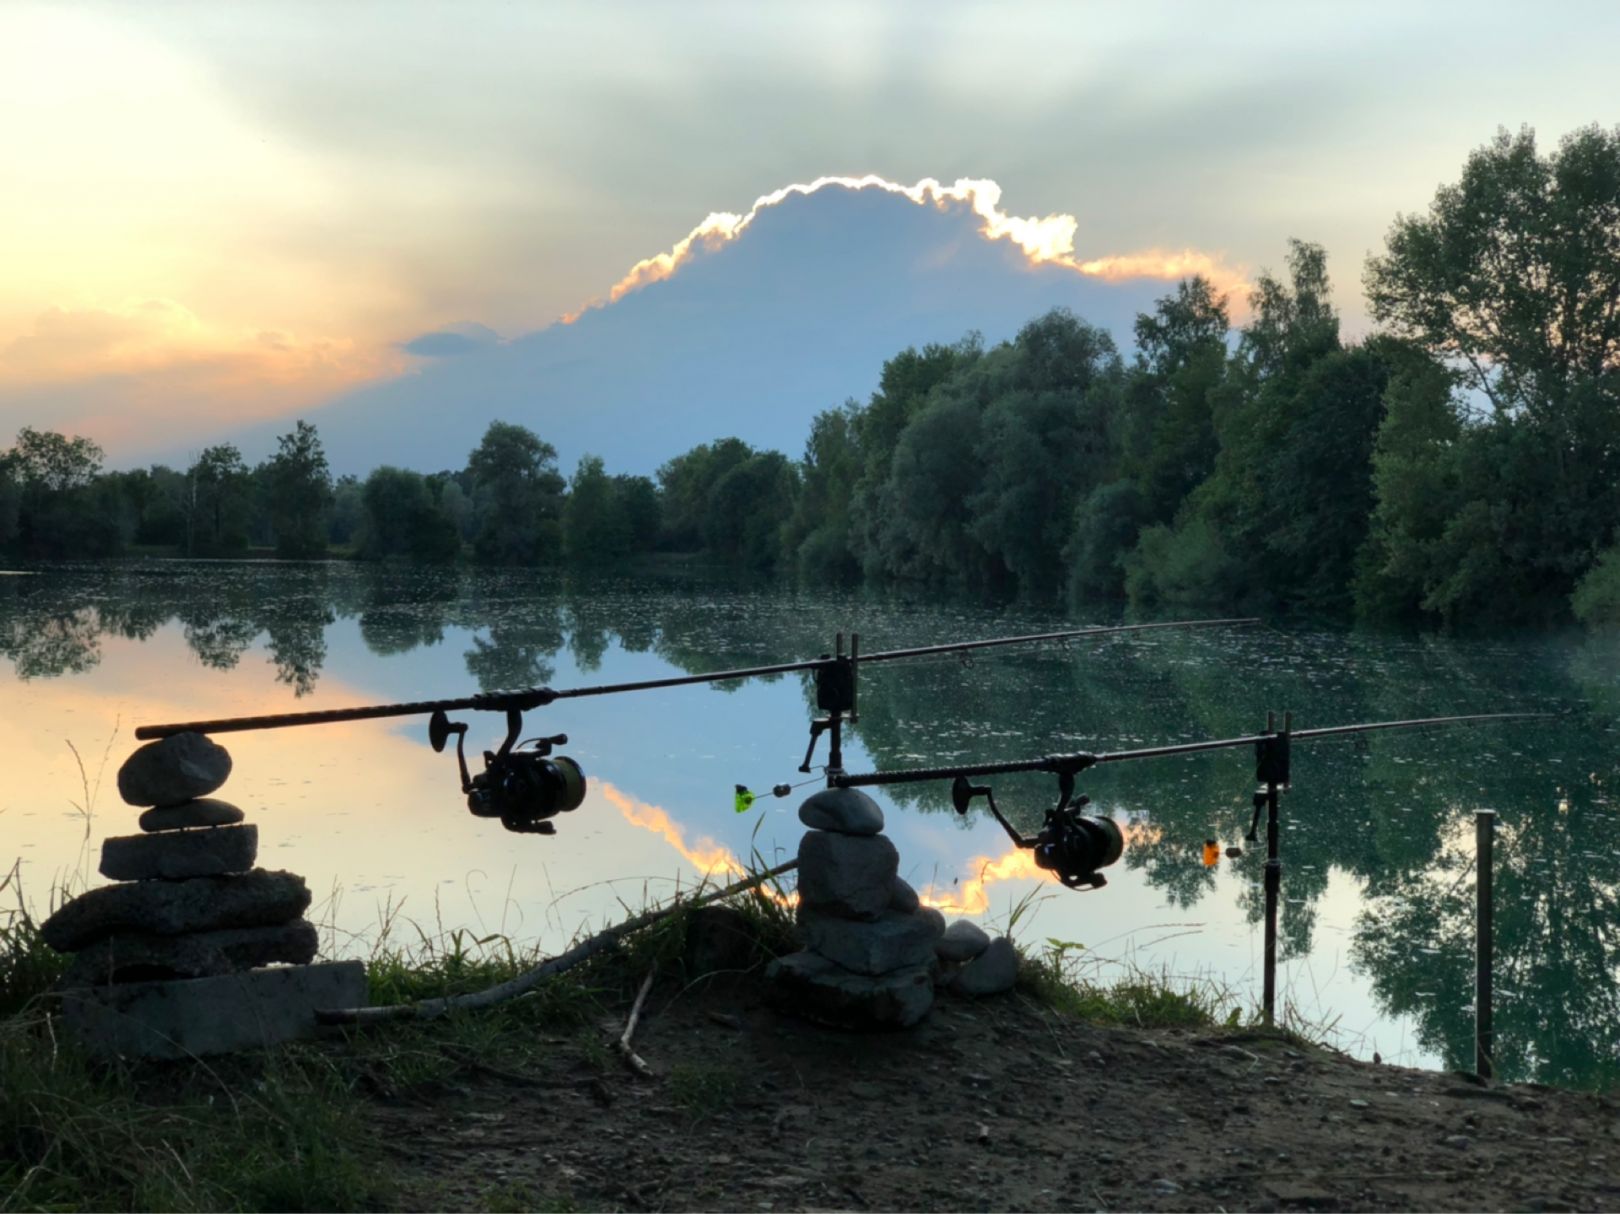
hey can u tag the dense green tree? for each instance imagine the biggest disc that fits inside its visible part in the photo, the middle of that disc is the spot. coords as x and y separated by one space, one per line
748 507
596 525
1512 282
155 500
638 498
401 518
348 511
1514 273
818 542
299 484
217 502
904 387
61 506
48 462
1046 445
685 484
1282 514
517 497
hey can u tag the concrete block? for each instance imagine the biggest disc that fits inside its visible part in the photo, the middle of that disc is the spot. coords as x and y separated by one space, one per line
197 1016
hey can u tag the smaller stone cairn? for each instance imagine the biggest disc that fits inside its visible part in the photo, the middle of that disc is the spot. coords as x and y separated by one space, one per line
873 954
166 961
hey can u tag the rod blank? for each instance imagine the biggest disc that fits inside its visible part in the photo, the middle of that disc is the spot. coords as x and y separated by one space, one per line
537 697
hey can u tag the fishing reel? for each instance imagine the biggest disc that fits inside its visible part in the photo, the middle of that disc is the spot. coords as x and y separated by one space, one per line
522 783
1070 845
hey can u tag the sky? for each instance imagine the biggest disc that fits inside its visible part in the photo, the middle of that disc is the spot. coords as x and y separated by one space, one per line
218 212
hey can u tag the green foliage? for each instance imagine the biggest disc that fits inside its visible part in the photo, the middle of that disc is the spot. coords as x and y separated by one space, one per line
298 483
596 522
48 462
1106 526
748 506
1512 273
1596 600
348 512
818 539
517 497
53 503
686 482
402 515
217 502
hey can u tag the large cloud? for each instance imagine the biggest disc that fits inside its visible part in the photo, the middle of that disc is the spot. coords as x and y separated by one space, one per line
750 325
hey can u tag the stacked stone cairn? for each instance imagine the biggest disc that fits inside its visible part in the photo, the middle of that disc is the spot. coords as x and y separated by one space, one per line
166 961
873 954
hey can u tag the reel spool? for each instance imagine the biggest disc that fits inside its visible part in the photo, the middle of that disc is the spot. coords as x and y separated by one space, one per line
522 783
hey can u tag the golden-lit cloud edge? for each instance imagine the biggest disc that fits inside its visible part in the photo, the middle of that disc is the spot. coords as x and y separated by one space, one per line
1044 241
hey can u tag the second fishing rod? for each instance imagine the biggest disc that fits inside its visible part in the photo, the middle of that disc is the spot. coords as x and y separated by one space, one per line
1074 846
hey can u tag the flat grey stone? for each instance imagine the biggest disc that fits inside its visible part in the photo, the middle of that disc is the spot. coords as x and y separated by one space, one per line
173 769
963 940
893 941
847 811
846 875
902 897
220 1015
202 812
990 973
815 988
259 898
175 854
138 956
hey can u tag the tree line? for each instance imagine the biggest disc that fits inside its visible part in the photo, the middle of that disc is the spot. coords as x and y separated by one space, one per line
1460 465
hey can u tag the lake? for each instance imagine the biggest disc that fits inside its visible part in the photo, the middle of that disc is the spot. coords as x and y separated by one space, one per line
1377 843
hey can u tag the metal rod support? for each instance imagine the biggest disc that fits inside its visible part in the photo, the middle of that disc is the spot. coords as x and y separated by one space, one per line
1273 897
1484 1036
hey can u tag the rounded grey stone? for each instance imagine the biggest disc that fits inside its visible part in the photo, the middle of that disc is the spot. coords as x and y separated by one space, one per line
176 854
847 811
260 898
139 957
893 941
846 875
902 897
990 973
203 812
963 940
815 988
173 769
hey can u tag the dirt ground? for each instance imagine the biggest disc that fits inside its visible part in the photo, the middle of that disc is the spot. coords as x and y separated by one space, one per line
993 1105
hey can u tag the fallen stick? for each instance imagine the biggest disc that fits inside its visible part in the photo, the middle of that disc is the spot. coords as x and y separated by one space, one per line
631 1058
430 1009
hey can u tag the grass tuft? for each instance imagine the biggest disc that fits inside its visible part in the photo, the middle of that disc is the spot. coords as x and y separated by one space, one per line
1141 999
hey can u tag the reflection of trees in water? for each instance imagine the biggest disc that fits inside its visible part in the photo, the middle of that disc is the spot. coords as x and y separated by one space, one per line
1386 814
297 644
518 649
405 608
45 644
1557 953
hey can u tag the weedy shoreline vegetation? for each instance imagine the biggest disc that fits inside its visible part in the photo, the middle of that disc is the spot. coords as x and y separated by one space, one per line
284 1129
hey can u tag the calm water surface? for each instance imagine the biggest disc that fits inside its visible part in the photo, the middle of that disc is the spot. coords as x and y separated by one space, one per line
1377 843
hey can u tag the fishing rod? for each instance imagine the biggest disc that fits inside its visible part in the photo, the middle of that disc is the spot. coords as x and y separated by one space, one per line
1074 846
524 785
